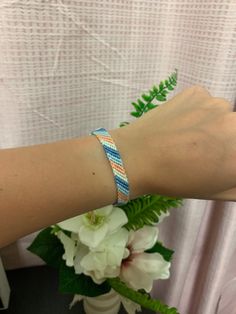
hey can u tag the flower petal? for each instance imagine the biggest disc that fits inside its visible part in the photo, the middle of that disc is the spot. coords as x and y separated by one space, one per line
117 219
92 237
69 246
104 261
135 278
126 253
130 306
71 224
144 239
93 275
118 238
104 211
82 251
115 246
95 266
152 264
112 272
94 261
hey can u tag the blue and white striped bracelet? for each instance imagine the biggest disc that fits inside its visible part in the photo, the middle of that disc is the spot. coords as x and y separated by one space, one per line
116 163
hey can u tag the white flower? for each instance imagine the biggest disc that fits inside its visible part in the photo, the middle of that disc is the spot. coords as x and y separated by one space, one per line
130 306
69 247
104 261
139 269
95 225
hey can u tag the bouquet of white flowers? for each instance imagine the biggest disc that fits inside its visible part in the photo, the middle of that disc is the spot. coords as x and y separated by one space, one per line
115 247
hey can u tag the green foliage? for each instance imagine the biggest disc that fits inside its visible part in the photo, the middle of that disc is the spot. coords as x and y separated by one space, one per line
143 299
146 210
156 93
47 246
159 248
69 282
124 123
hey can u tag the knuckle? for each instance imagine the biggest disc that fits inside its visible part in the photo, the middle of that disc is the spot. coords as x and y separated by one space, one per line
199 89
222 103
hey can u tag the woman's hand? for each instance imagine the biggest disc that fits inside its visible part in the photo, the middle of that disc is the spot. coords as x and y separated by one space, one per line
185 147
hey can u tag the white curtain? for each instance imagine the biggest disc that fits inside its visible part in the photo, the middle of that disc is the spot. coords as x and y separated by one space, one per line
69 66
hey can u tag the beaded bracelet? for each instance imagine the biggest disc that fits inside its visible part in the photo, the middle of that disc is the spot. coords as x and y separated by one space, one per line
116 163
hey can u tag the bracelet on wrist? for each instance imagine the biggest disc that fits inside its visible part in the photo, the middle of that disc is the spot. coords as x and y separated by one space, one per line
116 163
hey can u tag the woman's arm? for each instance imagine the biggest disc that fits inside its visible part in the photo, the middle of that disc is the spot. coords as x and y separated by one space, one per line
44 184
184 148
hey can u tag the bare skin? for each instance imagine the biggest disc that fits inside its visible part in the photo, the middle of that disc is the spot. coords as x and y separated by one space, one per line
184 148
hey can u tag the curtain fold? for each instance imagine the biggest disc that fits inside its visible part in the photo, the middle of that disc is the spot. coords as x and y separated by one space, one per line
69 66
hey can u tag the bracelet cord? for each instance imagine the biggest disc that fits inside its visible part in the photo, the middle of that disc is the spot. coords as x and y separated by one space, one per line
116 163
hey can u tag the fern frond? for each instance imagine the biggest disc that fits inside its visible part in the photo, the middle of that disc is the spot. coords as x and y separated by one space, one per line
156 93
147 209
141 298
124 123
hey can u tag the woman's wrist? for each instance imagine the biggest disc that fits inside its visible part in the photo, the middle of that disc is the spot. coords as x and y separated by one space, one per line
97 173
133 159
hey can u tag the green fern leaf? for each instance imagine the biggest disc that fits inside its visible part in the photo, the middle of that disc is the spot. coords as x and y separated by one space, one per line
155 89
164 92
160 97
135 114
151 106
143 299
161 86
147 209
174 77
167 83
170 79
147 97
136 106
124 123
158 93
152 93
141 104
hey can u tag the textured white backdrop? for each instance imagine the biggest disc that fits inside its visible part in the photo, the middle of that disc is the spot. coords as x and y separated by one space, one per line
67 67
